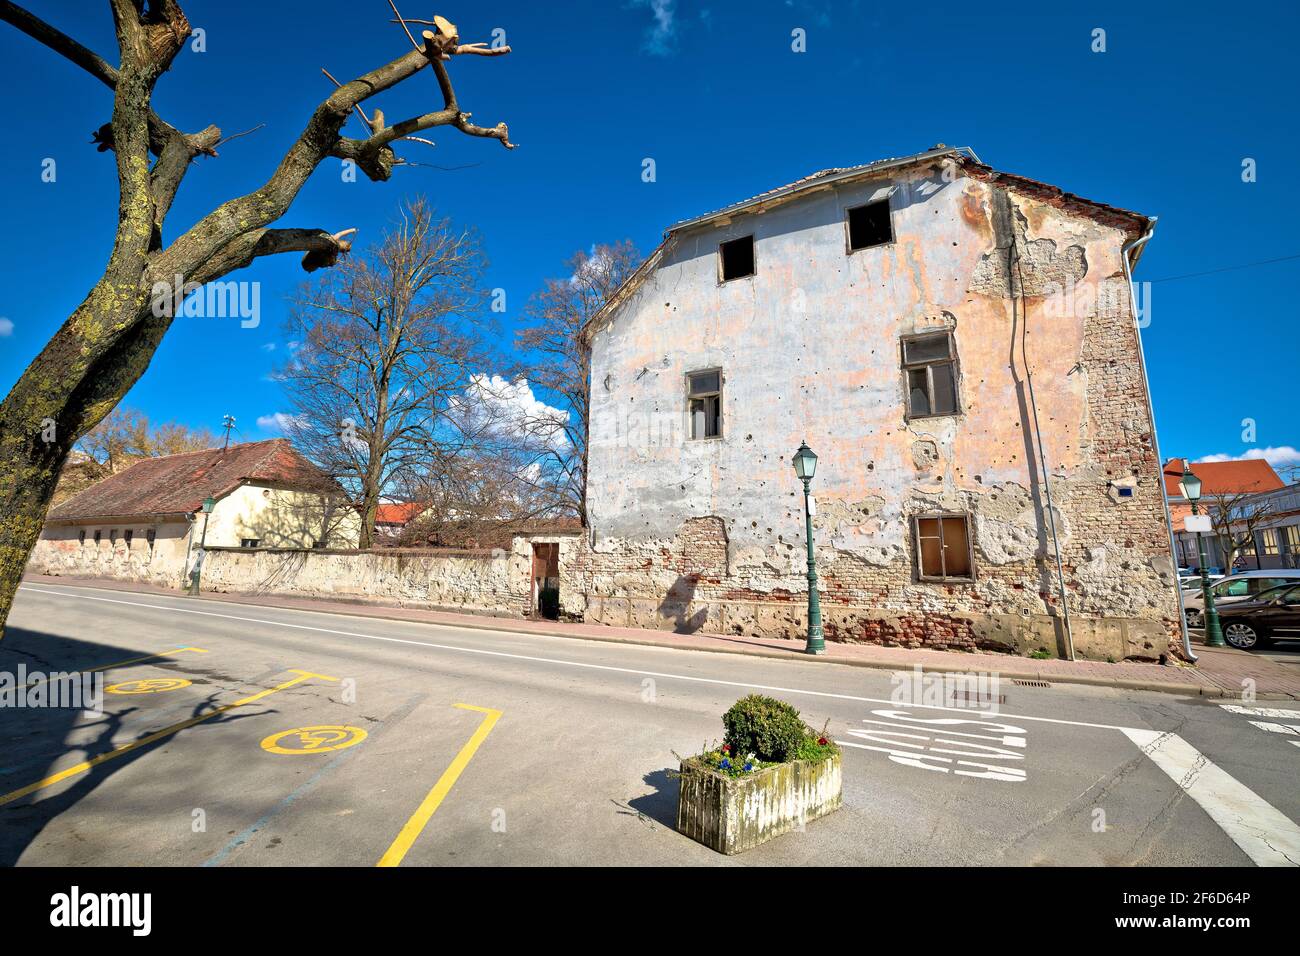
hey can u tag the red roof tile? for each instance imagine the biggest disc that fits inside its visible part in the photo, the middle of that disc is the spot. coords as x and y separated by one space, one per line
399 512
177 484
1224 477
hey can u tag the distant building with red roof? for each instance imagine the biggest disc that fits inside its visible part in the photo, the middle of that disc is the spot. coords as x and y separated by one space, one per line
1226 482
146 522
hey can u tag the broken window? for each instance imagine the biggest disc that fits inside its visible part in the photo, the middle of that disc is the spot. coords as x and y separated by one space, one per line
704 403
930 364
737 258
943 549
870 225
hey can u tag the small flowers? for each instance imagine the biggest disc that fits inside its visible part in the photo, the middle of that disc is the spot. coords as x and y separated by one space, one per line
726 764
822 741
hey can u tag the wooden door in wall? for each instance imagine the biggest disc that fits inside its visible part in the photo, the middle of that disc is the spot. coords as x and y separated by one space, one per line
546 579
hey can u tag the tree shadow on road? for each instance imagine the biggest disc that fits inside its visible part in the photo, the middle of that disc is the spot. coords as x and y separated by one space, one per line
35 739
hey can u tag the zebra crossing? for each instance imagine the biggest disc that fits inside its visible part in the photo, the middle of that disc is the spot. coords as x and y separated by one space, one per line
1281 720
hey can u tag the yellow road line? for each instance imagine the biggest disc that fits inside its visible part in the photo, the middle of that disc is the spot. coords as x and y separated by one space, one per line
414 826
133 660
154 737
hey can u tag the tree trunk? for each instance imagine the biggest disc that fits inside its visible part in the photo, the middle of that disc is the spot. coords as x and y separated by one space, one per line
28 473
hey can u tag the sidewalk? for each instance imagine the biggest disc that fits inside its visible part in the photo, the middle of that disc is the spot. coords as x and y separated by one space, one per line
1220 671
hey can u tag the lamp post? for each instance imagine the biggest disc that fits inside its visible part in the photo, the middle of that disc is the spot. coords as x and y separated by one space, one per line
805 466
1190 486
208 504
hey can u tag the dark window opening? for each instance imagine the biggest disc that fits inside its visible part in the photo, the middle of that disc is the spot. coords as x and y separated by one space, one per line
112 537
127 536
943 548
870 225
737 258
98 535
704 403
931 367
81 536
150 536
249 542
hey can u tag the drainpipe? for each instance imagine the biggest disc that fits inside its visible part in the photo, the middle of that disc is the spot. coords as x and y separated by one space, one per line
1155 441
1042 456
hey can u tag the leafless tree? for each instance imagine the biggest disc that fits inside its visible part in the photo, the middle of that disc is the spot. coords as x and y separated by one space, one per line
386 341
557 366
1235 519
106 344
124 437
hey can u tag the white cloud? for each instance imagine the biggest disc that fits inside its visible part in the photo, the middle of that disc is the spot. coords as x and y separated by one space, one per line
276 422
268 347
1278 457
510 408
661 36
6 328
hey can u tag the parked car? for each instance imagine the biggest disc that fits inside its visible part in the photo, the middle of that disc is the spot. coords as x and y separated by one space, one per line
1268 616
1193 581
1234 588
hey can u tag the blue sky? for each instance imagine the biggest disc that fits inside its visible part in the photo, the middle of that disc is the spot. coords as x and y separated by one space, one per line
1160 122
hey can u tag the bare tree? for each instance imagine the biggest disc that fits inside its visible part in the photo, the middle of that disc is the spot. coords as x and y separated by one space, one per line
126 435
386 342
108 341
1236 518
559 367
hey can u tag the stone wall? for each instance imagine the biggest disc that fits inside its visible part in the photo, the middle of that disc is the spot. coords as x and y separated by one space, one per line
456 580
62 551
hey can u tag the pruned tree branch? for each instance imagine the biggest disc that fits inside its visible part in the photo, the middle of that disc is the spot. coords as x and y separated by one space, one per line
104 346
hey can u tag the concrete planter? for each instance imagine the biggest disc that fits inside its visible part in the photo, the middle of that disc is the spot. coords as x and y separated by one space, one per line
733 814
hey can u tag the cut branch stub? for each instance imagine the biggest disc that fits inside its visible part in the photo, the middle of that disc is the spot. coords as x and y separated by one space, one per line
327 253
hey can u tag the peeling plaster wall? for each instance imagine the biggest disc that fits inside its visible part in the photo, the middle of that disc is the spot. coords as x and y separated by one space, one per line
708 535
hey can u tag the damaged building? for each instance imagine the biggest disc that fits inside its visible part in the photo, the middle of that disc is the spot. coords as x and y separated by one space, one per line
958 345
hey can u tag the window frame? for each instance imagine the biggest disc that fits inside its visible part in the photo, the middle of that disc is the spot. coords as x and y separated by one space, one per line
753 255
1270 542
909 367
970 547
243 542
690 395
849 248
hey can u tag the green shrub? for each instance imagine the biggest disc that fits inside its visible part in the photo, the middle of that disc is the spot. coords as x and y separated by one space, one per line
770 729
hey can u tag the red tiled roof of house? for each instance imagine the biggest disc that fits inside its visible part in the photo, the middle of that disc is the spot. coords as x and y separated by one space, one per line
177 484
399 512
1224 477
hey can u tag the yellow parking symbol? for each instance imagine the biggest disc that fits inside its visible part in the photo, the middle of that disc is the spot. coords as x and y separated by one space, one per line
313 740
152 685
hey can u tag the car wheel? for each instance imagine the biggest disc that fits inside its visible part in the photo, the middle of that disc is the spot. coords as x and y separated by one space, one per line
1242 636
1195 618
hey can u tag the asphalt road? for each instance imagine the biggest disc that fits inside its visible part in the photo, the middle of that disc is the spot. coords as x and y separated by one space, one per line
263 736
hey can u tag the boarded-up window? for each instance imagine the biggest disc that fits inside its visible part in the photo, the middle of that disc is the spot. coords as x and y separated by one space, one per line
704 403
869 225
737 258
943 549
930 364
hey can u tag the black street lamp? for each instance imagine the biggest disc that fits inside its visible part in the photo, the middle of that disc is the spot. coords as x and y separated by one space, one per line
805 466
1190 486
208 504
